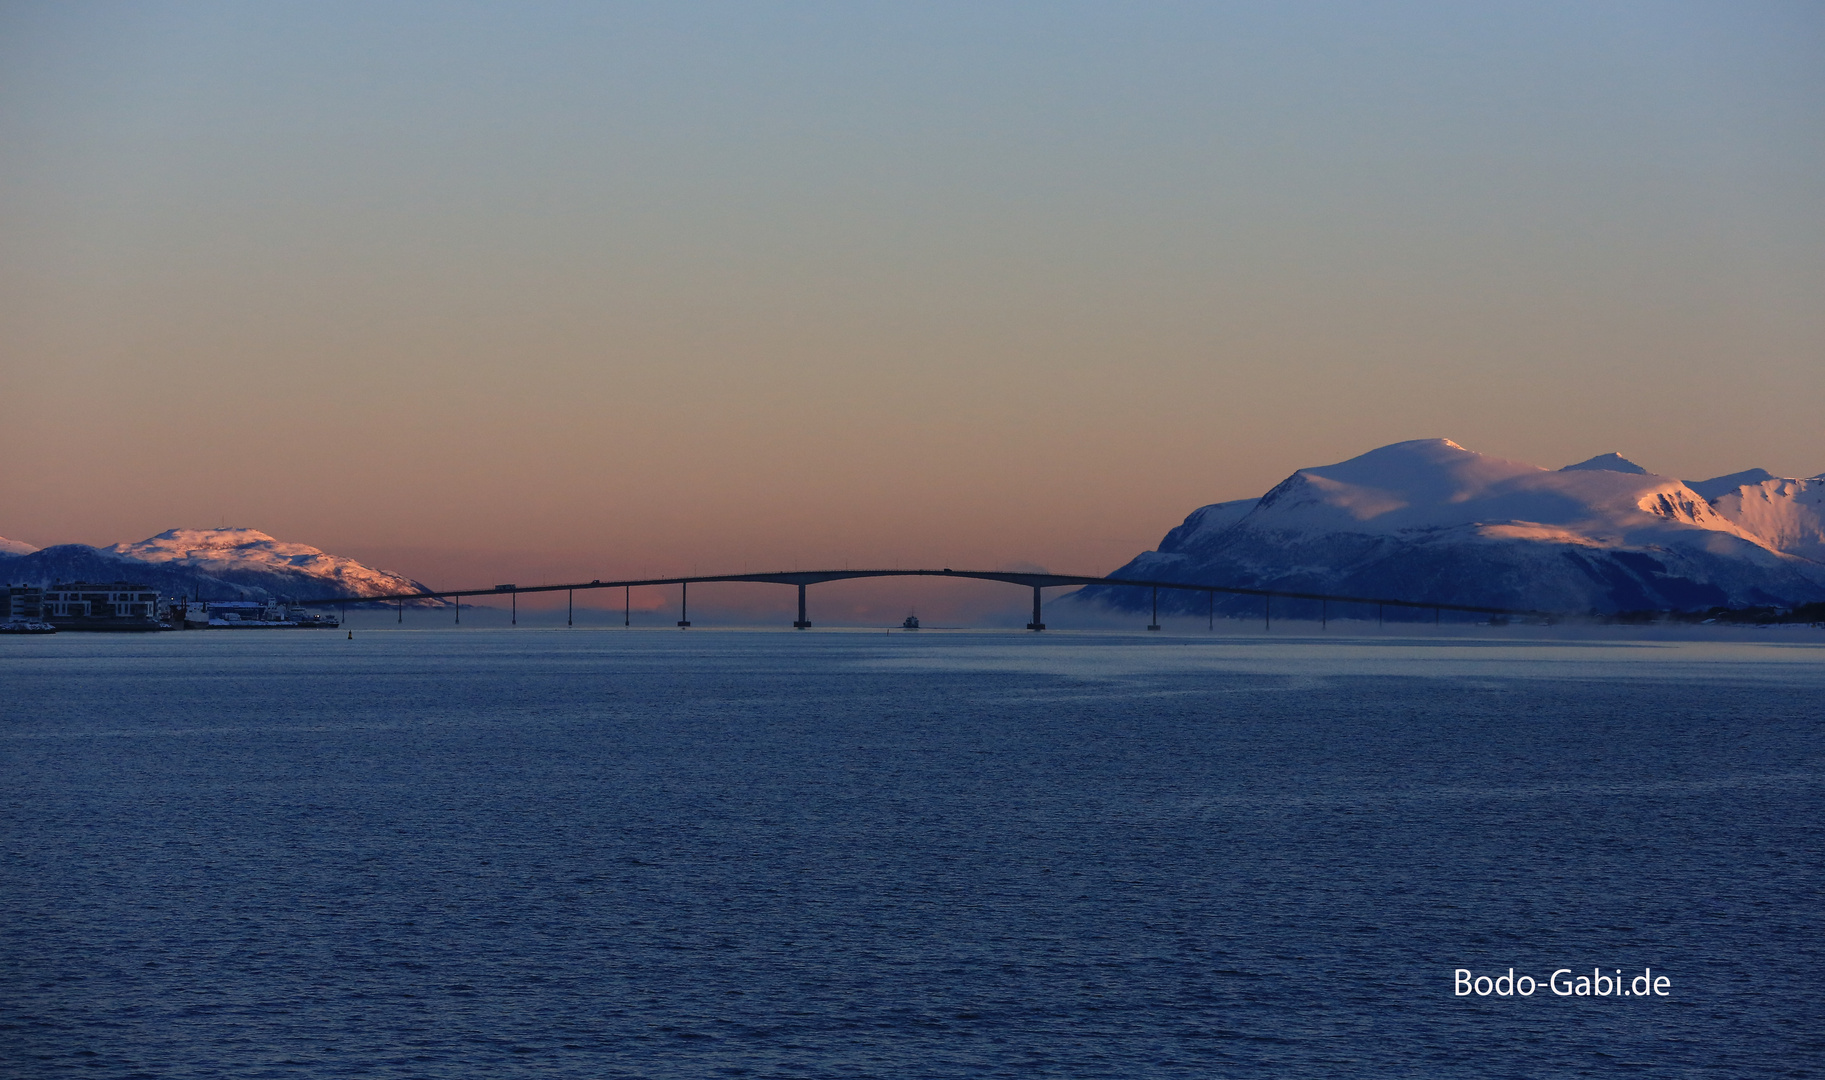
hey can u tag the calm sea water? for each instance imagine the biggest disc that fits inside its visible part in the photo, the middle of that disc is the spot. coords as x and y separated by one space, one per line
691 854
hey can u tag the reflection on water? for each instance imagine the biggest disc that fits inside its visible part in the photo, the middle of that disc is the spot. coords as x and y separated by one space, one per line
603 853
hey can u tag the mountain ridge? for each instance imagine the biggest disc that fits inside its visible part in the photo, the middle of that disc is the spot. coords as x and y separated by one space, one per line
1430 520
214 564
1421 520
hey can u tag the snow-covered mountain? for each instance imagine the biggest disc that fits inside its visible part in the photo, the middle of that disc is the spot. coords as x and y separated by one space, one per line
1428 520
15 547
213 563
1788 515
249 555
1605 463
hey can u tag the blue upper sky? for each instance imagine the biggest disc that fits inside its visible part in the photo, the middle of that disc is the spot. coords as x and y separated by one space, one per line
915 272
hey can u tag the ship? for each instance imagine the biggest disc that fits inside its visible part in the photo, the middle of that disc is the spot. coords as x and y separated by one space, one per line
911 623
253 615
27 626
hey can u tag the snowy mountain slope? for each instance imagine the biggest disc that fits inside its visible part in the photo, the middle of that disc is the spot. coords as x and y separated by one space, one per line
80 562
15 547
1789 515
211 563
1430 520
1208 519
1724 485
1435 483
252 557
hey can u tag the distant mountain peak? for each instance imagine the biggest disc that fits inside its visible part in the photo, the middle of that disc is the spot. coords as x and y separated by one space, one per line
211 563
204 543
1719 486
233 553
1434 449
1607 463
1429 519
15 547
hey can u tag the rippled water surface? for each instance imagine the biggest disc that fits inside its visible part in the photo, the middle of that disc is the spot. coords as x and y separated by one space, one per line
689 854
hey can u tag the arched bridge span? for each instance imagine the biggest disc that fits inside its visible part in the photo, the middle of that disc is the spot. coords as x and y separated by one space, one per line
1037 582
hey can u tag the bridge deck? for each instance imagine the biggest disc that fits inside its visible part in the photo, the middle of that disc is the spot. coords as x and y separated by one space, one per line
1036 581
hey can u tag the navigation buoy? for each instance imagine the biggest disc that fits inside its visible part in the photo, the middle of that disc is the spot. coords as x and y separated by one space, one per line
351 635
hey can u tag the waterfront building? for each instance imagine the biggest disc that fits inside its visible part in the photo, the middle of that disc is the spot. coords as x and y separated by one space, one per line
22 603
112 605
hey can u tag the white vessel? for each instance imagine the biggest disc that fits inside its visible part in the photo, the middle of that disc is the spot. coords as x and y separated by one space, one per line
27 626
254 615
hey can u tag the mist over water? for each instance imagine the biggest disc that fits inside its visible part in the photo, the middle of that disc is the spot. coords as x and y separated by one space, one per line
602 853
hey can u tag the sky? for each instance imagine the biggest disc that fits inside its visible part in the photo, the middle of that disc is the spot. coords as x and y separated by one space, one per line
505 292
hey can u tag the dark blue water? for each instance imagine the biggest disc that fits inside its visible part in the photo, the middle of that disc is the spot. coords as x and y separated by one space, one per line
605 854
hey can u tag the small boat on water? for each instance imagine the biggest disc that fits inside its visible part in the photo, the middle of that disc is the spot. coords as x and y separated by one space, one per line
911 623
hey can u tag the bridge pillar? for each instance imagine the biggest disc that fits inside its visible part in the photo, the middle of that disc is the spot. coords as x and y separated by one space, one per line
1036 624
802 623
514 603
627 605
570 608
1155 624
684 599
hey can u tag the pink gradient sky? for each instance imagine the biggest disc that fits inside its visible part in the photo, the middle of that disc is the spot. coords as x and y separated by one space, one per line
484 293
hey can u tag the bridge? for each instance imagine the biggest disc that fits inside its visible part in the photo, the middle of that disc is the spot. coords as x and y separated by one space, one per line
805 578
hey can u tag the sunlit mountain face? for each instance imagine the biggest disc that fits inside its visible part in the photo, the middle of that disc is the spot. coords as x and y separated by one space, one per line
1430 520
211 564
